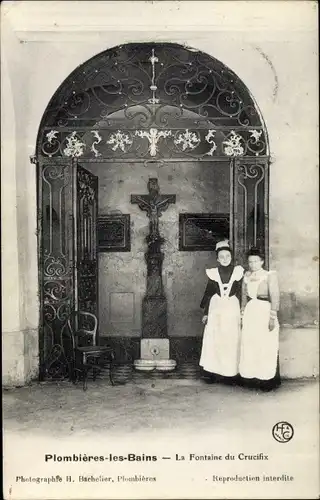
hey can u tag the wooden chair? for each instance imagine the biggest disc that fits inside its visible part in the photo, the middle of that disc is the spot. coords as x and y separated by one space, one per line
86 354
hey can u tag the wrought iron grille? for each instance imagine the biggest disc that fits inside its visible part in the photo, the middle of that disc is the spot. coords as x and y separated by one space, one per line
129 100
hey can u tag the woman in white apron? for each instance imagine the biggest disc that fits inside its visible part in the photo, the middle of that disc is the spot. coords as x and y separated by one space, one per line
221 304
259 353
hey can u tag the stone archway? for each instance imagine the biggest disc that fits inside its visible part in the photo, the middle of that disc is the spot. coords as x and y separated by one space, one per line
158 102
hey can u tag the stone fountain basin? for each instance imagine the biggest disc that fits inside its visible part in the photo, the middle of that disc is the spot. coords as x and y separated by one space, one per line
155 364
145 365
165 365
155 356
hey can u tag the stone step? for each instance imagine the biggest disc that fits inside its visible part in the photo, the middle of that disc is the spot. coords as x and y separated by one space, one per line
125 372
186 370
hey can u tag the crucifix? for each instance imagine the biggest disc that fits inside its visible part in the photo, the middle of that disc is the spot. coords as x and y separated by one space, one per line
154 306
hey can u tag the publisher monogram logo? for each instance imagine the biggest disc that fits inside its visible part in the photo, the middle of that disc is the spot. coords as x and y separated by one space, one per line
282 432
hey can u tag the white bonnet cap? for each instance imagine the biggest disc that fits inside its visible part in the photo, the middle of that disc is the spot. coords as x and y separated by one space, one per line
222 244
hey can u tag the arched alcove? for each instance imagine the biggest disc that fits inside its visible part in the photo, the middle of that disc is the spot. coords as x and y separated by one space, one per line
137 111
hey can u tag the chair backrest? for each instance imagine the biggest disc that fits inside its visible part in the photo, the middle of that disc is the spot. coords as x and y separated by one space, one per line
82 324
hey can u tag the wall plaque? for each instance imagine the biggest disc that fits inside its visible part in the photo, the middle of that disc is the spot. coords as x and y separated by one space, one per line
113 233
200 232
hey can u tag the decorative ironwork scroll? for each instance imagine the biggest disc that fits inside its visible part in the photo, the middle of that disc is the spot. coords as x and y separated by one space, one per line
199 232
154 307
113 233
130 99
250 206
56 263
178 144
86 221
68 265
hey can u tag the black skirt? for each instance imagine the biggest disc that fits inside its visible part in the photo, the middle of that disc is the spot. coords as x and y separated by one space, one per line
251 383
215 378
262 385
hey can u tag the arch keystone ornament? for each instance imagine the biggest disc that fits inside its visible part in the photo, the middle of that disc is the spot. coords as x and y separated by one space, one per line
153 136
138 102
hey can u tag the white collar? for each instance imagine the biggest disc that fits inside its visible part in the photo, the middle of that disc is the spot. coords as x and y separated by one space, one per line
237 273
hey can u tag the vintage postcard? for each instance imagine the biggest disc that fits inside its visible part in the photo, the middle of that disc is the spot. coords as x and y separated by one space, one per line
160 249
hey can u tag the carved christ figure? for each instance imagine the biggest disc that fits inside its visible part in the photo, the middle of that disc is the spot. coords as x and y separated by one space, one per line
154 204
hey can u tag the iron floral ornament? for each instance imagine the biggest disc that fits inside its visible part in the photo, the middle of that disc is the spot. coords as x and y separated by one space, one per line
255 135
74 146
210 140
120 140
197 143
153 137
52 136
98 138
187 140
233 145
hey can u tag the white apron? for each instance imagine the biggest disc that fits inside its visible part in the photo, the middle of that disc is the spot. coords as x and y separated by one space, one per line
221 337
259 346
